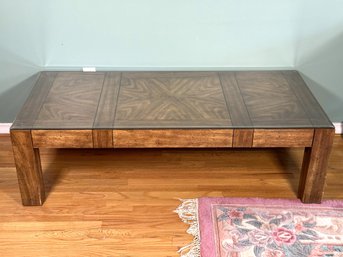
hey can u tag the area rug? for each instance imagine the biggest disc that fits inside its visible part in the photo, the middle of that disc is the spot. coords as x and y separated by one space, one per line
242 227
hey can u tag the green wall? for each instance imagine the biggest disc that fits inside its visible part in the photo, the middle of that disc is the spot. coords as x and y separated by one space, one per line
171 35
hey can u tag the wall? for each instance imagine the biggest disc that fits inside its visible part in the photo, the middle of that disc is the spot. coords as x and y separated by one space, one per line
161 34
22 35
319 55
171 34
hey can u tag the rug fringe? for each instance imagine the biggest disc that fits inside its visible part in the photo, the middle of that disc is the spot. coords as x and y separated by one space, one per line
188 213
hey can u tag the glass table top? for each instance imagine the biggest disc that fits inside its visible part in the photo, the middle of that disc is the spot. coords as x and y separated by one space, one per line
167 100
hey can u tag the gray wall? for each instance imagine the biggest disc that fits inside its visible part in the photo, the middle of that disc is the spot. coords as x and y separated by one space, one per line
319 54
174 35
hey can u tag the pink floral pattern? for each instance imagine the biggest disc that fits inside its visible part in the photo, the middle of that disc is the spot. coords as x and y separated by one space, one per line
261 231
283 235
272 253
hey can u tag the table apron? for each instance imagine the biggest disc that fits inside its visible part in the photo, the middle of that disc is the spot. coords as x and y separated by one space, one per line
172 138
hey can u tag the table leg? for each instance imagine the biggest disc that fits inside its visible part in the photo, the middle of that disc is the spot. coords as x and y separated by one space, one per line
29 171
313 172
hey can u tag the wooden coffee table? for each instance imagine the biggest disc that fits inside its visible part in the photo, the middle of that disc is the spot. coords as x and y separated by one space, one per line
171 109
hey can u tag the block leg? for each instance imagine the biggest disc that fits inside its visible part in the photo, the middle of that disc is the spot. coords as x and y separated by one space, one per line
313 172
29 171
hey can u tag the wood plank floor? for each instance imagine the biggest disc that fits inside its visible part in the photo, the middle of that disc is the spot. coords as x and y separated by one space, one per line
120 202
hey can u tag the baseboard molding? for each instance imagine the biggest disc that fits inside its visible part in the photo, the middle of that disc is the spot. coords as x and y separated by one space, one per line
5 127
338 127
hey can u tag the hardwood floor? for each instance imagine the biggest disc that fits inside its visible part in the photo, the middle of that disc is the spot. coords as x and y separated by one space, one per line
105 202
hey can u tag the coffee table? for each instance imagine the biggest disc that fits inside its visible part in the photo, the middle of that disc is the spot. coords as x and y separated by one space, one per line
230 109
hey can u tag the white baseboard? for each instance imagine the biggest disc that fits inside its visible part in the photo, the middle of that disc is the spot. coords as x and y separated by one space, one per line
338 127
5 127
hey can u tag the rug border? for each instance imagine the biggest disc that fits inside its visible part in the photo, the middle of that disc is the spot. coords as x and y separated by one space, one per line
204 210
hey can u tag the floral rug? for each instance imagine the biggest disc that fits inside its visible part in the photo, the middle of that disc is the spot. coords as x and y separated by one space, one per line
242 227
